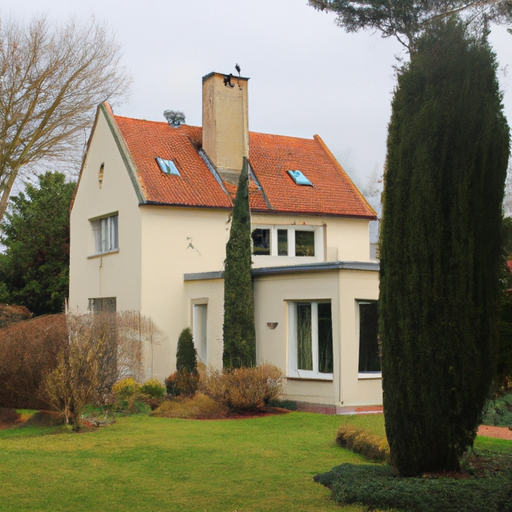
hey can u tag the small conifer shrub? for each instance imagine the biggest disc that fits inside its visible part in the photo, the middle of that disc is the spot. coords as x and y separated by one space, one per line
186 354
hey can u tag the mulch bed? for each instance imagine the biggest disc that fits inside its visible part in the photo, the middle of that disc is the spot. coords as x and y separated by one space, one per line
498 432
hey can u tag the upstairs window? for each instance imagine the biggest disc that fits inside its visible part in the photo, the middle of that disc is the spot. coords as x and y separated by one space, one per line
304 243
105 234
282 242
369 356
261 242
292 241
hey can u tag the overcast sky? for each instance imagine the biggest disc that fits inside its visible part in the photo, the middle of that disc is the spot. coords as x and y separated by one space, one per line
307 76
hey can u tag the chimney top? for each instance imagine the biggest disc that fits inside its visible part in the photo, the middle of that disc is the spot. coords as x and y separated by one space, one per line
225 123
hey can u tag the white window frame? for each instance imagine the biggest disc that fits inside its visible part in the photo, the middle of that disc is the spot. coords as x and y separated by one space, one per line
293 371
291 229
369 374
106 233
200 328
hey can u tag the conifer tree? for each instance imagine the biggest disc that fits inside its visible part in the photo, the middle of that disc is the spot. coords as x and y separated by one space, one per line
448 147
186 355
239 332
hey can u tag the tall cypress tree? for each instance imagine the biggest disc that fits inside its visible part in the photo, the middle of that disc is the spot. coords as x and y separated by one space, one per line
239 332
448 147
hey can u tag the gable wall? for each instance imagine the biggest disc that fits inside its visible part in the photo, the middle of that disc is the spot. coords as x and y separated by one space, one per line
114 274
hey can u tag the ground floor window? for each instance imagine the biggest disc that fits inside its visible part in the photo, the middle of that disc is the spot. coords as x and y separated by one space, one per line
369 354
103 305
310 339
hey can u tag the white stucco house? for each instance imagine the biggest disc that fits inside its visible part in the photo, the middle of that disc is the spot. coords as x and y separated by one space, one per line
151 218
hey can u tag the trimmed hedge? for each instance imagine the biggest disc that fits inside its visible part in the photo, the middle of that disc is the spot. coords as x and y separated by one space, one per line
377 488
360 441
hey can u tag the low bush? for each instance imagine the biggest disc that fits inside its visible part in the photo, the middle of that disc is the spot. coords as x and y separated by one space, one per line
197 407
377 488
243 389
13 314
498 412
28 352
153 388
290 405
360 441
126 388
181 383
134 398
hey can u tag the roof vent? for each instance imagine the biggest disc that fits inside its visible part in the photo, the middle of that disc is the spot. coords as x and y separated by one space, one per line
175 118
299 178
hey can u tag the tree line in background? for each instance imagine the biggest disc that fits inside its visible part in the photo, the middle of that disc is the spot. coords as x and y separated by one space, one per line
34 266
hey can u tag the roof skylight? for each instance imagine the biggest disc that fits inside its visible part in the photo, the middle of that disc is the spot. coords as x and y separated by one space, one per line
299 178
167 166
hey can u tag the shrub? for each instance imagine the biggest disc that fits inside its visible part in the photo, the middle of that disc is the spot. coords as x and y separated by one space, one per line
377 488
126 388
153 388
77 379
498 412
186 355
28 352
13 314
360 441
198 407
181 383
243 389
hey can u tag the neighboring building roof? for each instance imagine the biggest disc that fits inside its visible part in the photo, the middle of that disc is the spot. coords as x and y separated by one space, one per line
272 189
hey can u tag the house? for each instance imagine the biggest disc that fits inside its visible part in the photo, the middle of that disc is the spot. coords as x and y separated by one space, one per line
151 218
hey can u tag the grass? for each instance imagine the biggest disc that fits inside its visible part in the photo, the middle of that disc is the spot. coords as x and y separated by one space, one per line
152 464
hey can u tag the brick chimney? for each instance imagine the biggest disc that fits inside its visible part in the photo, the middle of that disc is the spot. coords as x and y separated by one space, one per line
225 123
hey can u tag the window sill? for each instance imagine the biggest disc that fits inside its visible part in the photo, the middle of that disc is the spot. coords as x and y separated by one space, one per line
313 377
369 375
92 256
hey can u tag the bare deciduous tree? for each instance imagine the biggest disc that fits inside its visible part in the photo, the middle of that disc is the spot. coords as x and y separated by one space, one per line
52 77
103 349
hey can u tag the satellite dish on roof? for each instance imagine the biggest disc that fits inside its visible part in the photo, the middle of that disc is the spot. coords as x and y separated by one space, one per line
175 118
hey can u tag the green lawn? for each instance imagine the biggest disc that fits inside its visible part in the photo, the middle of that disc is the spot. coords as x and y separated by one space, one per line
158 464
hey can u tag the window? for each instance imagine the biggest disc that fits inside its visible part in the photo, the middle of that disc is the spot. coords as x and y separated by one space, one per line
292 241
310 334
304 243
299 178
105 234
261 242
369 358
103 305
167 166
282 242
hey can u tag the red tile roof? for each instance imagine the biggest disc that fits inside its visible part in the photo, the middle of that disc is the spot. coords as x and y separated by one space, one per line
270 157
